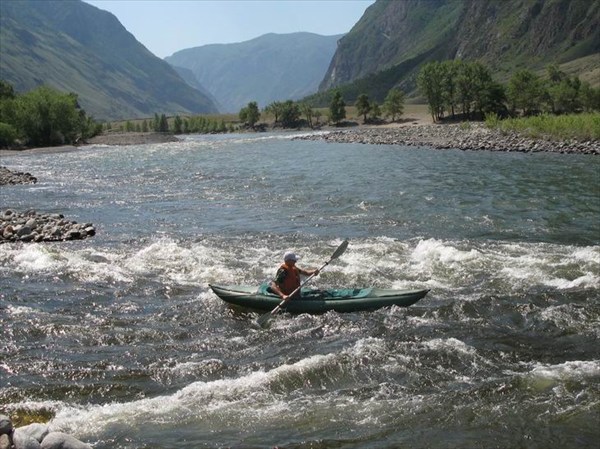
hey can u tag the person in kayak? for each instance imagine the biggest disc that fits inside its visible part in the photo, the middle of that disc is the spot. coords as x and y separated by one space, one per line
287 278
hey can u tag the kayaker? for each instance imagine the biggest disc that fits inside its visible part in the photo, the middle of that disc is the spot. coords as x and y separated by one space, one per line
287 278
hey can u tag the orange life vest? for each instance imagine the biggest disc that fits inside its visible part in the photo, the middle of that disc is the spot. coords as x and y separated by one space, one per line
291 281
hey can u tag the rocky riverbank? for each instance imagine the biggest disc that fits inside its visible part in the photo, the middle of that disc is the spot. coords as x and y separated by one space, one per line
15 177
463 137
35 436
31 226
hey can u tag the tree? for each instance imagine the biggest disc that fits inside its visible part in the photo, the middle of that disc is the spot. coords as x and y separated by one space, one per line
450 76
275 109
337 108
163 124
488 96
525 92
430 83
290 114
250 114
47 117
317 114
590 97
363 106
177 125
393 105
375 114
307 110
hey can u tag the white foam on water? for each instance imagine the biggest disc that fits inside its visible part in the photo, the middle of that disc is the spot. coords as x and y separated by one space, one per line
87 265
19 310
256 395
450 345
572 370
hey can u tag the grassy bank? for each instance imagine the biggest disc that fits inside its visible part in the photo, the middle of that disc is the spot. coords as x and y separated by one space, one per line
557 127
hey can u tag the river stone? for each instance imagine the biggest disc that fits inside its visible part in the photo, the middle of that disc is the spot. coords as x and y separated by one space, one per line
6 426
59 440
36 431
22 440
5 442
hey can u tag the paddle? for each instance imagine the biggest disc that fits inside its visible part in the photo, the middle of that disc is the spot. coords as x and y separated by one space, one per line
264 319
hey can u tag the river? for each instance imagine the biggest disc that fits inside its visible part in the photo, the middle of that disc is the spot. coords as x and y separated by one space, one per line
118 340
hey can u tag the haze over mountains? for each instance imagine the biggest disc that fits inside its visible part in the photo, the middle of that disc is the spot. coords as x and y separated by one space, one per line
76 47
272 67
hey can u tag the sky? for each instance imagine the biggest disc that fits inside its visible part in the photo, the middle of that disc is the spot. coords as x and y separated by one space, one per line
167 26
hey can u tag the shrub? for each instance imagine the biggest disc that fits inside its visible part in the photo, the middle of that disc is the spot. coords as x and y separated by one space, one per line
8 135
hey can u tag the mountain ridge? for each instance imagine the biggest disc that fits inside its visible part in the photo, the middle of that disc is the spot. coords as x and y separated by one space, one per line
506 35
76 47
275 67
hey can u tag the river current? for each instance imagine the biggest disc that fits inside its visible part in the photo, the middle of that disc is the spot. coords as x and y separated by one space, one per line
118 340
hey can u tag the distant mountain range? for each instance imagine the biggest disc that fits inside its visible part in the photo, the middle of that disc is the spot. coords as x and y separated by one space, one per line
272 67
391 41
76 47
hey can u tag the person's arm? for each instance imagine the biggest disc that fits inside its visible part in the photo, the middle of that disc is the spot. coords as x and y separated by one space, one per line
276 289
279 278
309 272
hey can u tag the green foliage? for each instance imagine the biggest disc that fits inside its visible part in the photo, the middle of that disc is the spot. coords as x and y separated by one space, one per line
394 104
375 111
44 117
8 135
275 109
7 91
525 91
560 127
161 123
177 125
337 108
363 106
431 84
290 114
590 98
457 86
250 115
308 112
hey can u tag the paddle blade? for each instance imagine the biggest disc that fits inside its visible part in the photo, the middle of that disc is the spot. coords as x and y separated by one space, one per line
264 319
340 250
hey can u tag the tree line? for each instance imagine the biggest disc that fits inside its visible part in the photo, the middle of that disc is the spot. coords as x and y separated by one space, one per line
197 124
289 114
42 117
456 87
452 88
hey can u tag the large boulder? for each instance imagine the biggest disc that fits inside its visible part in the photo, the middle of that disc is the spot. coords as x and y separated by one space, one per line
59 440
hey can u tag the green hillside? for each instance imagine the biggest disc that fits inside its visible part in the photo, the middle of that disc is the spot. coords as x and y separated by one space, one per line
75 47
393 38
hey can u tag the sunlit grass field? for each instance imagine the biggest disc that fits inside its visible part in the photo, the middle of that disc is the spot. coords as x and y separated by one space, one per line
559 127
582 127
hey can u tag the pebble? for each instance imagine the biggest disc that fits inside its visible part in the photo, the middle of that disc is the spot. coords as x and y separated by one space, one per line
31 226
15 177
472 137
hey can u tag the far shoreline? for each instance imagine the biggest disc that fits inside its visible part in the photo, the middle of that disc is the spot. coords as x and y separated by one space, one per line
418 130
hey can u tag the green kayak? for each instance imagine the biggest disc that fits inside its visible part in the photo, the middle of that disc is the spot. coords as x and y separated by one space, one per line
318 301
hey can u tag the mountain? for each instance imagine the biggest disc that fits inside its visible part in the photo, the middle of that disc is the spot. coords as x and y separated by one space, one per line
75 47
394 38
272 67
